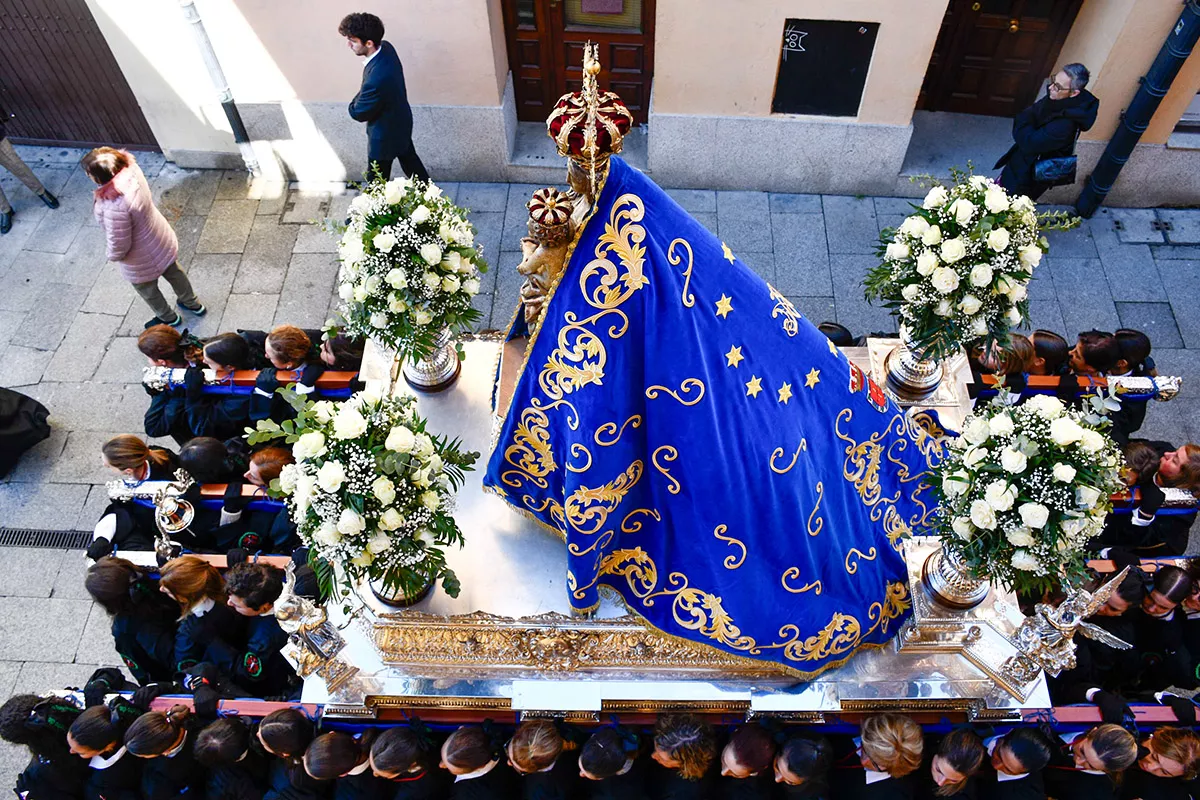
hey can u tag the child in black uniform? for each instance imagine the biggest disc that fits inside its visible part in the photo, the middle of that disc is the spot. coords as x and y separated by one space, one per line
97 737
163 346
236 771
959 756
1017 760
609 766
286 734
802 768
166 741
475 758
685 756
746 764
404 757
1088 764
38 723
535 754
882 766
258 666
198 588
342 353
288 348
344 759
1171 757
128 525
143 620
222 416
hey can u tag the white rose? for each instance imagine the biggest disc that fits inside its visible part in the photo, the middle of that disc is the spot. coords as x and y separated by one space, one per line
444 232
396 304
420 214
423 446
323 410
1034 514
1024 560
979 326
927 262
309 445
394 190
936 197
956 484
379 320
384 490
361 204
328 535
1031 255
351 522
436 464
1020 537
1073 527
945 280
390 520
981 275
1013 315
963 210
910 292
1013 461
471 286
1018 292
396 279
979 181
348 423
346 291
998 238
331 476
999 495
943 308
452 261
363 559
306 487
932 236
1046 405
432 280
421 478
422 317
963 528
360 293
430 500
288 477
450 284
970 304
982 515
1064 473
975 456
996 199
379 543
1001 424
914 226
351 248
1091 441
897 251
399 440
953 250
1022 203
1086 496
976 431
1065 431
463 236
384 242
431 254
426 537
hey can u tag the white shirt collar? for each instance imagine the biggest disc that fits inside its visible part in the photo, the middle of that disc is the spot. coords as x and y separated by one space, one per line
360 769
871 775
628 766
1069 738
203 607
377 49
104 762
990 744
479 773
547 769
175 750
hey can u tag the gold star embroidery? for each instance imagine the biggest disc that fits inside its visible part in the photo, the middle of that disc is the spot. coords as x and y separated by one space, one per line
785 393
812 378
753 386
734 357
728 253
832 347
724 306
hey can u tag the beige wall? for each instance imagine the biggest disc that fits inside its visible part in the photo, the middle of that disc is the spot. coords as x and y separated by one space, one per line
720 57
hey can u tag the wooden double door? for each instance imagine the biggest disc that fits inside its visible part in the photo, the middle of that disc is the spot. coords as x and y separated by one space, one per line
545 51
992 57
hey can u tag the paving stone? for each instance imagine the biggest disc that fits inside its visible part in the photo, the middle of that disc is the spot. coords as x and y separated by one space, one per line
1172 252
50 316
1153 319
80 464
235 184
1075 243
1045 315
1131 270
122 362
763 264
489 229
227 227
482 302
1182 281
36 462
315 239
850 224
82 348
25 278
862 318
483 196
249 312
211 276
695 200
86 259
1041 286
266 256
743 205
895 206
99 406
853 311
9 322
801 257
1185 224
743 234
22 366
38 677
306 290
272 197
201 190
1184 363
171 190
58 227
96 645
339 206
110 294
29 571
188 230
89 514
507 297
795 203
1085 300
304 207
815 309
1136 225
9 670
708 220
49 506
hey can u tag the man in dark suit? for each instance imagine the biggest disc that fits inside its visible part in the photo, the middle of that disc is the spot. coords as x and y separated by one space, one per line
382 102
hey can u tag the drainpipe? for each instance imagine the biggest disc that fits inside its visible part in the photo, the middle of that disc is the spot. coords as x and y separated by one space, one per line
1136 118
222 85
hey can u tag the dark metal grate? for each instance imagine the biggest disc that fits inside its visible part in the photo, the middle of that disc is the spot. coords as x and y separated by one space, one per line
58 540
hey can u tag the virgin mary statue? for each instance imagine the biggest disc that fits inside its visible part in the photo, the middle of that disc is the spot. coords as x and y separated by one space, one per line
703 450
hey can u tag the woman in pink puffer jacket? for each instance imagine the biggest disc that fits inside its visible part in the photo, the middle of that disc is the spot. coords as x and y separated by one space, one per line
140 239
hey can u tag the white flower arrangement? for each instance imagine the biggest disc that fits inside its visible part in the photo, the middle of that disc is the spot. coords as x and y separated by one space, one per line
409 267
957 271
371 491
1024 488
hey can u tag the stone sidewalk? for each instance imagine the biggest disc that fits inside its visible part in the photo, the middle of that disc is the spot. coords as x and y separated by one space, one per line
258 256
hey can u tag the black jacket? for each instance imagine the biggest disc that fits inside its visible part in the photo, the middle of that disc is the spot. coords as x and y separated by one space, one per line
560 783
179 777
630 786
382 103
22 419
61 778
432 784
499 784
1138 785
289 781
1031 787
196 633
850 783
757 786
144 635
1046 128
667 784
167 415
363 786
121 780
257 663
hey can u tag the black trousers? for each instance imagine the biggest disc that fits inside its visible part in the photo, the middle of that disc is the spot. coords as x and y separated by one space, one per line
410 162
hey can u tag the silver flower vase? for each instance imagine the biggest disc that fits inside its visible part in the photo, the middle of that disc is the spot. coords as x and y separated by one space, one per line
438 370
909 375
950 583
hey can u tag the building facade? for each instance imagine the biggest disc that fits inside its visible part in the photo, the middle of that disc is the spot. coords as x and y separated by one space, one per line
830 96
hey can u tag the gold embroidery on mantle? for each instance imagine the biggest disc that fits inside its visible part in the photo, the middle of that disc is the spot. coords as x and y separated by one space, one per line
813 530
610 428
697 610
686 297
778 453
852 566
784 307
630 525
791 574
669 454
731 562
588 509
530 451
576 449
685 388
556 511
